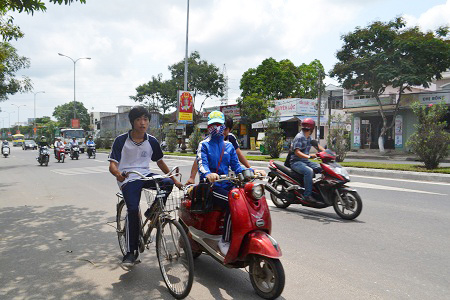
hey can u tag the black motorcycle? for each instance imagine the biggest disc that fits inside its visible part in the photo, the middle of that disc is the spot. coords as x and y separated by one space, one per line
91 151
44 156
75 152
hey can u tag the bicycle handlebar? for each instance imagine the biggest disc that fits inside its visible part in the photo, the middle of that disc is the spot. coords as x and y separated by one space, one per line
170 174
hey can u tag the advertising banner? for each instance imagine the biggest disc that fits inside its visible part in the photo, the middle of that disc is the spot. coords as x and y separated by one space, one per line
297 106
357 132
75 123
398 131
351 103
185 107
231 111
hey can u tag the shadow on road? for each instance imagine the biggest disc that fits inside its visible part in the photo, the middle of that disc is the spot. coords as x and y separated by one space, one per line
66 252
314 215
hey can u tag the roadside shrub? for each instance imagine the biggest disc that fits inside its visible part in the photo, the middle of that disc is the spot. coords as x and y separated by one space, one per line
99 143
273 139
430 141
338 138
171 140
194 139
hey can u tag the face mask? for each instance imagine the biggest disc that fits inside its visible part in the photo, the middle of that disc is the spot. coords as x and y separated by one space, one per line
216 130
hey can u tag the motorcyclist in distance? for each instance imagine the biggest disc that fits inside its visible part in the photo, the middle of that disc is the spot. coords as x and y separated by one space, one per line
57 143
72 144
4 144
300 163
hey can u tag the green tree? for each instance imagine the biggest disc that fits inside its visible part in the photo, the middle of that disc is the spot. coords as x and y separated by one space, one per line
338 137
171 140
64 113
204 79
30 6
157 94
430 141
273 138
254 108
10 63
194 139
388 54
278 80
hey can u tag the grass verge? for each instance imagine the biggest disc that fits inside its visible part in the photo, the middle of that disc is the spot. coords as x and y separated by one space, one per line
356 164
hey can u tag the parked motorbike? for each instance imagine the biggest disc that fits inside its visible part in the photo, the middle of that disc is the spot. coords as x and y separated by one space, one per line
251 244
329 189
75 152
60 153
91 151
5 150
44 156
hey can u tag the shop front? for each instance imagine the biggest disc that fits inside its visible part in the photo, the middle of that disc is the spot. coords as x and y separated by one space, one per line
367 122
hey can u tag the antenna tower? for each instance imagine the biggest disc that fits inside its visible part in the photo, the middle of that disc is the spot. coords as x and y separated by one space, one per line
224 100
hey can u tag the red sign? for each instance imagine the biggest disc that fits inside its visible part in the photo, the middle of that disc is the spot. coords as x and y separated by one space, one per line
185 107
232 111
75 123
34 130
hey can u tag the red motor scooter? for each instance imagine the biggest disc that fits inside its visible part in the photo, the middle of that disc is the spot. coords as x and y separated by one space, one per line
251 244
60 153
329 189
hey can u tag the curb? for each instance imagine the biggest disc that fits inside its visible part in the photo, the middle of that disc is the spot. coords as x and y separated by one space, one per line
407 175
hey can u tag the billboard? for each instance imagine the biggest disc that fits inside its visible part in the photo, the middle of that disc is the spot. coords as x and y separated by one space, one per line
231 111
185 107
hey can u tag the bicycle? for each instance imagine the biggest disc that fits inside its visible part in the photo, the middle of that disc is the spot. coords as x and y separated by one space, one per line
173 249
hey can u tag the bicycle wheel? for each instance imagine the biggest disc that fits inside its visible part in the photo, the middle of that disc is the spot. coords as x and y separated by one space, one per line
121 220
175 258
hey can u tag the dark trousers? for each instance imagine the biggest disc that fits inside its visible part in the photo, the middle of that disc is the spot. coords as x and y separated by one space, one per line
220 198
132 194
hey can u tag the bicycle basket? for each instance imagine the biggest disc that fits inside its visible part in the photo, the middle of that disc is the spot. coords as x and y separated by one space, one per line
172 203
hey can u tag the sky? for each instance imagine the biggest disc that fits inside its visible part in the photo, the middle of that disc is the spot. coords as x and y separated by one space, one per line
131 41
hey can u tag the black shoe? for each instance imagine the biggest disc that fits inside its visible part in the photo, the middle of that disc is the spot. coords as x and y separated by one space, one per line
129 259
311 199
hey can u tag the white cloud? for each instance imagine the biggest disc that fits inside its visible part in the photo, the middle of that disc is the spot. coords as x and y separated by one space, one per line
131 41
433 18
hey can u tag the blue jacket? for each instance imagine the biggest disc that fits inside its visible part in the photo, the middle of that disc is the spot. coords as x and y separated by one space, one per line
208 156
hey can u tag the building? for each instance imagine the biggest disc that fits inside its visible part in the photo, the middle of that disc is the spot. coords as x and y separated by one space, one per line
114 124
367 121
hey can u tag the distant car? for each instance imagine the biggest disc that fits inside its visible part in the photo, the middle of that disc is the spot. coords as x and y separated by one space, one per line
29 144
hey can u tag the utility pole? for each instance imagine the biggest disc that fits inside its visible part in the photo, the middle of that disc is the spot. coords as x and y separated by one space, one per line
224 100
318 108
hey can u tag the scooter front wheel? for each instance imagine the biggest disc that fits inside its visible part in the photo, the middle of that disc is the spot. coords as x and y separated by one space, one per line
280 203
347 205
267 276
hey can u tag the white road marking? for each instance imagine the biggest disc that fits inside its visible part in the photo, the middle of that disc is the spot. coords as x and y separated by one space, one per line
81 171
404 180
99 160
388 188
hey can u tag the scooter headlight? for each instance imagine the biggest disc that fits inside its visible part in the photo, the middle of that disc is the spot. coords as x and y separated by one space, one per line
257 191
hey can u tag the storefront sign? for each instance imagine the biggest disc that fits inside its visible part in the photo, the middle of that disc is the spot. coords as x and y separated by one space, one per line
398 131
357 132
252 143
243 130
185 107
435 98
348 103
297 106
231 111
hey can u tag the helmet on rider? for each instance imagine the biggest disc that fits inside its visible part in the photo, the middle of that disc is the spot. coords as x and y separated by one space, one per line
308 123
42 137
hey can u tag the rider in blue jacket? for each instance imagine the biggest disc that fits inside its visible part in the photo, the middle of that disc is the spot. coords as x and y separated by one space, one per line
214 157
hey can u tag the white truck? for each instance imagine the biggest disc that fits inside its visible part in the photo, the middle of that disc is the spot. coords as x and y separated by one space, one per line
67 134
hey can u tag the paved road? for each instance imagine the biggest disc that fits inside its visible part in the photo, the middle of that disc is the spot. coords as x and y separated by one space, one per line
56 241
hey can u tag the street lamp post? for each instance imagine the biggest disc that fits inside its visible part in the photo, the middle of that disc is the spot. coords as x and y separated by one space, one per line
74 97
9 118
34 120
18 109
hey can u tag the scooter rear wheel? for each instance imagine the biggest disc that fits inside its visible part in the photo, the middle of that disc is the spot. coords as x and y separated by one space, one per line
267 276
121 219
280 203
